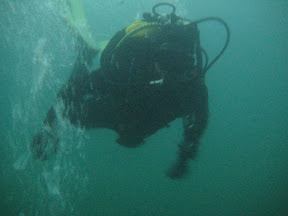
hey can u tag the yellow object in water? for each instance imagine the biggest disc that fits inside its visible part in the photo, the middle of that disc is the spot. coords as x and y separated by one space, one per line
102 45
75 17
147 29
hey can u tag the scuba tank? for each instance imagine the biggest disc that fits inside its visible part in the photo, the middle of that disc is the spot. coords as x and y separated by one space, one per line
169 27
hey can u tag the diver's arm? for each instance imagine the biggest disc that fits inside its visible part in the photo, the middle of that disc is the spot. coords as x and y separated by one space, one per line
194 127
196 123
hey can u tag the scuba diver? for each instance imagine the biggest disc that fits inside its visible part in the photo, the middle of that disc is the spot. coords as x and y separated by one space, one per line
150 74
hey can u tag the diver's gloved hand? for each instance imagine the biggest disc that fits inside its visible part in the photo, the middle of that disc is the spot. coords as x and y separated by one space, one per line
179 169
45 142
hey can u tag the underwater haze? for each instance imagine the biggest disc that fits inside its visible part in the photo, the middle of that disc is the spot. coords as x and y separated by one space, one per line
242 166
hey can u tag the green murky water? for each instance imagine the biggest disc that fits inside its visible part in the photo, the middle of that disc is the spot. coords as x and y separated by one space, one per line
242 168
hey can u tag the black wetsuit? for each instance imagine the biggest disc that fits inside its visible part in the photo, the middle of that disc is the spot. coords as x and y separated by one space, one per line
120 95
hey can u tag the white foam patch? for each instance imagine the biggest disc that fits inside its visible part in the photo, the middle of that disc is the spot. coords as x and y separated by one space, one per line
52 180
